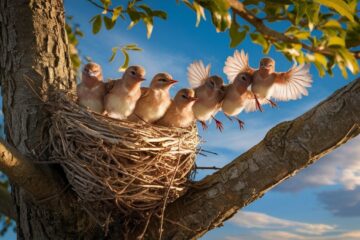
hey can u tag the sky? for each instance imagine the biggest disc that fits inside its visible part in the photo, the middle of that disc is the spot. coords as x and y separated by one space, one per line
320 202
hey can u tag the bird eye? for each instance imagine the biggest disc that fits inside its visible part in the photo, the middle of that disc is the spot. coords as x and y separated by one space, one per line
184 96
162 80
243 78
132 72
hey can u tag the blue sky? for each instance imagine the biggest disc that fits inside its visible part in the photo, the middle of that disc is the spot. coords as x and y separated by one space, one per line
321 202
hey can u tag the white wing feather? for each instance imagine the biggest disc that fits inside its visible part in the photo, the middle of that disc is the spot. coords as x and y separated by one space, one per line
294 85
197 73
250 105
235 64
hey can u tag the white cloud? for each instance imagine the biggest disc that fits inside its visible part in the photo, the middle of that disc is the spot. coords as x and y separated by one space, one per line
339 167
260 220
285 235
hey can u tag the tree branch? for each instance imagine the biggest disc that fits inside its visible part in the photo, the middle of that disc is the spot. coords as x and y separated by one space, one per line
270 34
99 6
6 204
36 180
286 149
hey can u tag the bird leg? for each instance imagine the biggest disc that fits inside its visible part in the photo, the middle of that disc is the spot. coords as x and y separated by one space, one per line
228 117
241 123
272 103
258 105
219 124
204 126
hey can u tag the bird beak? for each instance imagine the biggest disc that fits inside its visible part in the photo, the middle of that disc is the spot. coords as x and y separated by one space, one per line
140 78
192 99
172 81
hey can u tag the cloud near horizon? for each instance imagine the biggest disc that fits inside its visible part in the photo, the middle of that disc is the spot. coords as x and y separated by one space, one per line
262 226
248 219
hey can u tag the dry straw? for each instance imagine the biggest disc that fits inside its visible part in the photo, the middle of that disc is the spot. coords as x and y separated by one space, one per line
119 166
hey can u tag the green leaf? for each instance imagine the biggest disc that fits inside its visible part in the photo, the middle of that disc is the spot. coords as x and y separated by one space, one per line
349 60
300 8
332 23
340 6
295 32
259 39
236 37
160 14
320 59
126 60
146 8
336 41
116 13
109 23
199 13
320 69
149 26
132 47
343 69
312 12
114 52
96 23
106 4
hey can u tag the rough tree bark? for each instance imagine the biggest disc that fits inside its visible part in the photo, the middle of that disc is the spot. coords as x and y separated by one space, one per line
33 42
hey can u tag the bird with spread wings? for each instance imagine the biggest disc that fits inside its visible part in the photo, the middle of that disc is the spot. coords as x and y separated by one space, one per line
267 84
209 92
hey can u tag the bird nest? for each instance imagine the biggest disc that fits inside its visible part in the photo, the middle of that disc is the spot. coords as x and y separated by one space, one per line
117 165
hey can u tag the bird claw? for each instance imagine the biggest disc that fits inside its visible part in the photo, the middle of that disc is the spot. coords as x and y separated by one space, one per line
258 105
219 125
241 124
272 103
228 117
203 125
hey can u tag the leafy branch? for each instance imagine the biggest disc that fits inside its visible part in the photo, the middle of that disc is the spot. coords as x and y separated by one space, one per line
325 38
135 11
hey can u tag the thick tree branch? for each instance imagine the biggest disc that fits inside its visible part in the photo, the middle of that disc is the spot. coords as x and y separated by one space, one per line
286 149
270 34
36 180
6 205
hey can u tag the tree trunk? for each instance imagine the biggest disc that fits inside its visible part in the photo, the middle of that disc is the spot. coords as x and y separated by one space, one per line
33 43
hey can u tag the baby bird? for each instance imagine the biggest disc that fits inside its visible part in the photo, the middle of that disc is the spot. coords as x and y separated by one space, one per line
91 90
121 100
155 100
209 92
267 83
180 113
238 97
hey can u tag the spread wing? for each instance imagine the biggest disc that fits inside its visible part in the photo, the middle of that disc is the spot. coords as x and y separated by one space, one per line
250 105
236 64
293 84
197 73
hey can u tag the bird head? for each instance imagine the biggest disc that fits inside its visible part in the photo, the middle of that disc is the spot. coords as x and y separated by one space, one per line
134 74
91 73
267 65
162 81
242 81
185 97
214 83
